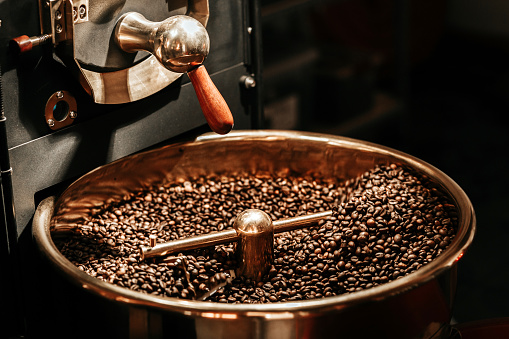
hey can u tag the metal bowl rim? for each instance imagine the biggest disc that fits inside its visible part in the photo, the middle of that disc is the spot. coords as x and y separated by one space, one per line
442 263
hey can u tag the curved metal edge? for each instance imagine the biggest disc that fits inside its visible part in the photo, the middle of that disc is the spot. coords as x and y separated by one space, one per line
130 84
139 81
286 310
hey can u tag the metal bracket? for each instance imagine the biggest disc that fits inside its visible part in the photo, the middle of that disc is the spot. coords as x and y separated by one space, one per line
58 18
61 110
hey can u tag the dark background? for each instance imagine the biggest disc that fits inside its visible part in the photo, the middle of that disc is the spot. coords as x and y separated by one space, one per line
430 78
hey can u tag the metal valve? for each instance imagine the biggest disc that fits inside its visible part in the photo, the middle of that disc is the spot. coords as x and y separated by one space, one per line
181 44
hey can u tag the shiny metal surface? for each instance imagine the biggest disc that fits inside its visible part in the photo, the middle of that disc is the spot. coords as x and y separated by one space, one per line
255 248
414 306
179 43
288 224
226 236
191 243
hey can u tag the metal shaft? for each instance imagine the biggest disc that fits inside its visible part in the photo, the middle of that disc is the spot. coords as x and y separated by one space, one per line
227 236
255 248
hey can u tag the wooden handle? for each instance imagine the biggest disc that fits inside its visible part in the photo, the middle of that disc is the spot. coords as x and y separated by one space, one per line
21 44
212 103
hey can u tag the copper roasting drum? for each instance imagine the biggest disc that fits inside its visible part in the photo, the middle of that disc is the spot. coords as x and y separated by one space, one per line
415 306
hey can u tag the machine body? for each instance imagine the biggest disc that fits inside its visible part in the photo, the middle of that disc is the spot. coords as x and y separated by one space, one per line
73 100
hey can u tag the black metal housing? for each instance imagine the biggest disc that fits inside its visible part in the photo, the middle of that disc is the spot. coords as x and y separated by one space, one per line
37 161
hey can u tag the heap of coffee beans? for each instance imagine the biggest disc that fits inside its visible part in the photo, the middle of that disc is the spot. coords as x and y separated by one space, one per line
386 224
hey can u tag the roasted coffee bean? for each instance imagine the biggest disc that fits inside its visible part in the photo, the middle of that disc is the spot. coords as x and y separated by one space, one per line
391 223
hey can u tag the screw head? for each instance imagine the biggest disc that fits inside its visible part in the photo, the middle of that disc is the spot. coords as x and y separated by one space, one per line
82 11
51 122
73 114
60 94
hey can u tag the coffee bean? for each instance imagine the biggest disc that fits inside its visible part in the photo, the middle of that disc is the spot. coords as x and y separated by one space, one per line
391 223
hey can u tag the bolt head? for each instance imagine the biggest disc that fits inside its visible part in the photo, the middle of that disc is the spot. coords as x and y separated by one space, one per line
250 82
